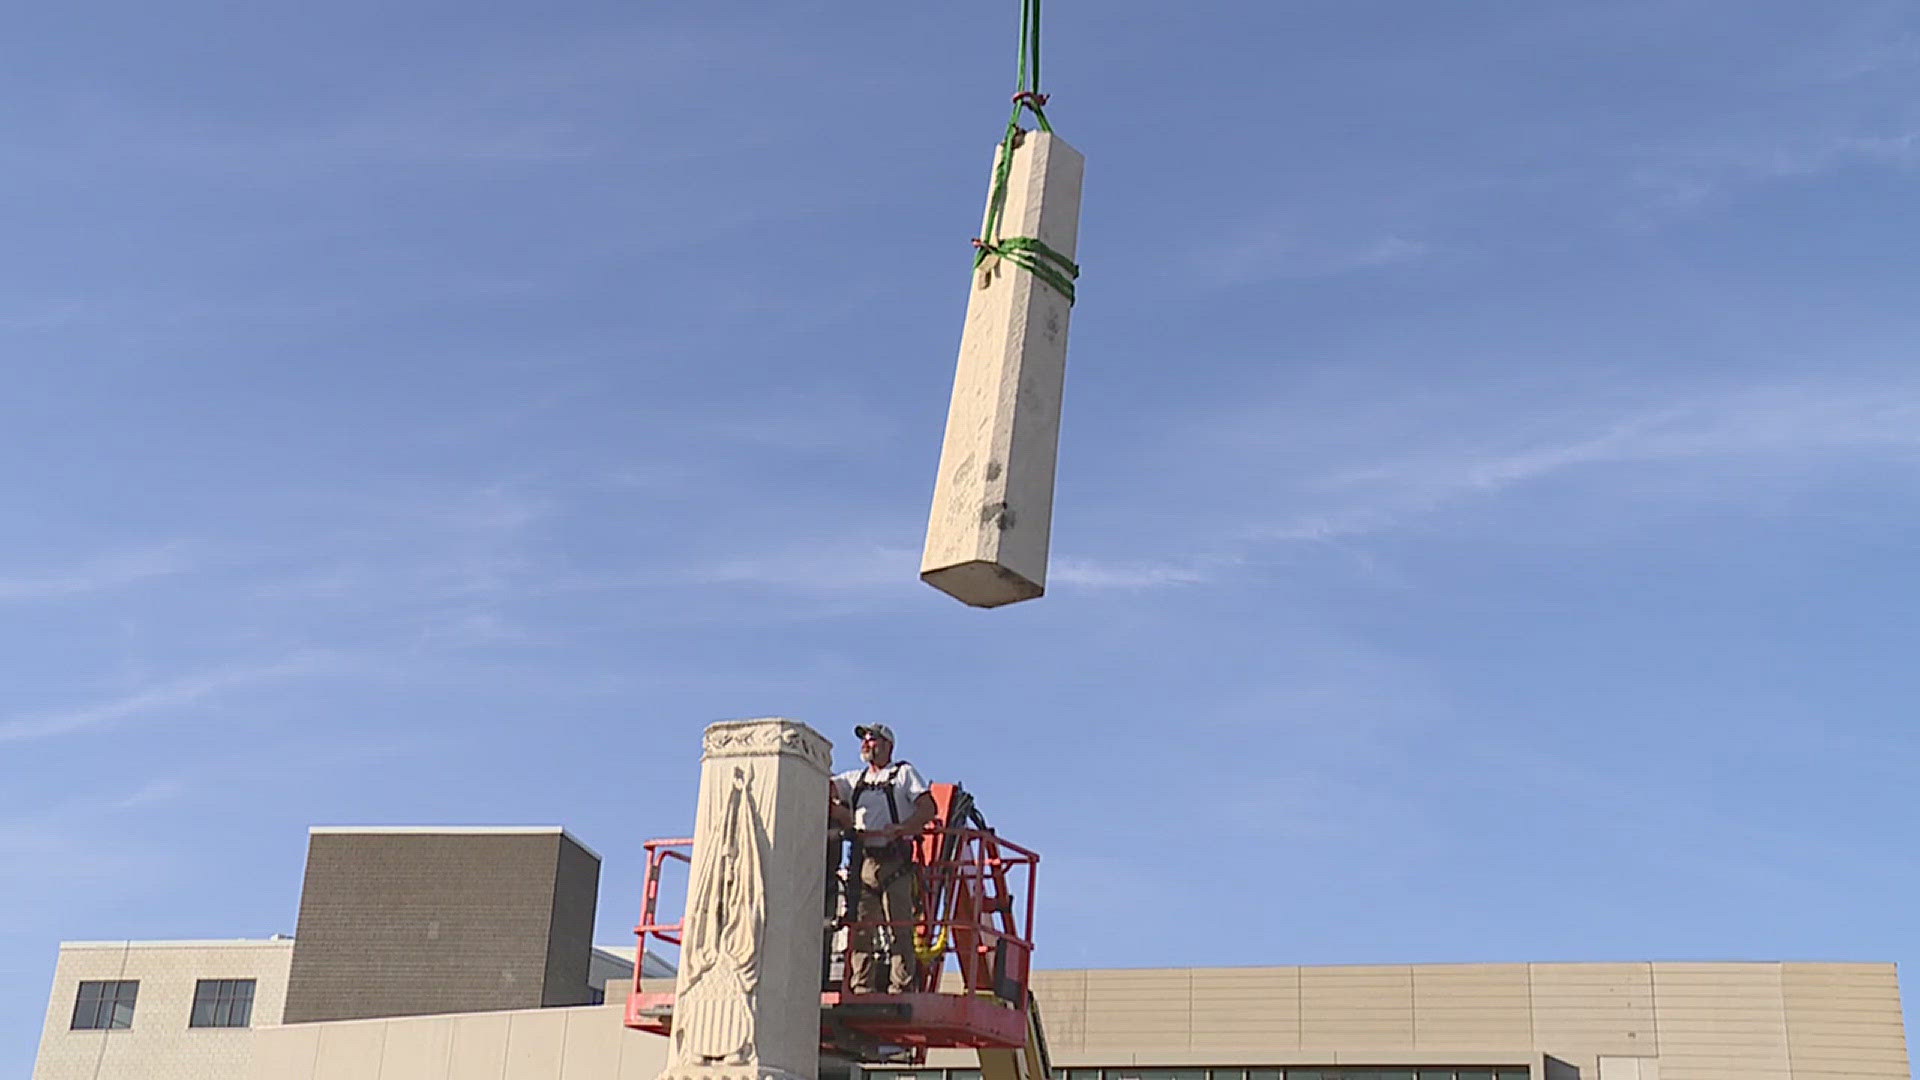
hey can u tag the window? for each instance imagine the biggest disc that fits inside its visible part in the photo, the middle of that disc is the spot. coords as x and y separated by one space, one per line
222 1003
1407 1074
1262 1073
1270 1072
104 1006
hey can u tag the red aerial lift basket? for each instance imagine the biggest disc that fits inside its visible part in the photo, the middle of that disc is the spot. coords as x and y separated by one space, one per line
975 909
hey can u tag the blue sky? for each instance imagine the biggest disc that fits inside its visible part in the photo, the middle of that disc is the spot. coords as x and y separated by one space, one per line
1486 511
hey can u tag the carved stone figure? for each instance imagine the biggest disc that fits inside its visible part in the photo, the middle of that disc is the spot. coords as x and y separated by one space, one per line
713 1021
747 998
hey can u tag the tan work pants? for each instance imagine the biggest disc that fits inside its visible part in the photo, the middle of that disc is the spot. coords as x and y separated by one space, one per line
893 904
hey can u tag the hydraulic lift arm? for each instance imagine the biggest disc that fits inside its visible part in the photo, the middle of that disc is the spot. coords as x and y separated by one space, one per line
1029 1062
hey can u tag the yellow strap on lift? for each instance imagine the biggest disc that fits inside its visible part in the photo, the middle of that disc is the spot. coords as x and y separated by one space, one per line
935 951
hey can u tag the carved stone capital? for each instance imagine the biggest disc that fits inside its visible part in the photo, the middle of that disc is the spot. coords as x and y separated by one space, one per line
769 736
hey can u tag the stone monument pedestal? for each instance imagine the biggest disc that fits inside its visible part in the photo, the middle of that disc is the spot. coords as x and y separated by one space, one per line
747 998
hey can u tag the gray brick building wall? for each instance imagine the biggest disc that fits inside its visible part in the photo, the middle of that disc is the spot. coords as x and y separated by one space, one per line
414 921
570 950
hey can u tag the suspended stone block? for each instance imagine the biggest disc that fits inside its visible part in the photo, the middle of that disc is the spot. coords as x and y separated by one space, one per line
992 516
747 995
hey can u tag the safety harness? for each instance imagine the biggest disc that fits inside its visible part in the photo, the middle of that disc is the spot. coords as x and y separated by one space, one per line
885 784
899 853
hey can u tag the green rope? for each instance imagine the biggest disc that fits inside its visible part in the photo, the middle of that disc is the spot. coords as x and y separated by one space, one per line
1026 252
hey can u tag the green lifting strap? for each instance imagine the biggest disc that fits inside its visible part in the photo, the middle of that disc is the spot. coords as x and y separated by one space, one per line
1026 252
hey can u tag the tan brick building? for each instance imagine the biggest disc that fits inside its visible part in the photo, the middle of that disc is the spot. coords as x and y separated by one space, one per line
155 1032
459 954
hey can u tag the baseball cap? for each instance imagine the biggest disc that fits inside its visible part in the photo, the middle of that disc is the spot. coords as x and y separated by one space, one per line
882 730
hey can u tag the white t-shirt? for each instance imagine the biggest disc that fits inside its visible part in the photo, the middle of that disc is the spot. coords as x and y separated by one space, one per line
872 811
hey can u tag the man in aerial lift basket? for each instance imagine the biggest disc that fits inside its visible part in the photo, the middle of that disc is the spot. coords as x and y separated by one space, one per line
885 804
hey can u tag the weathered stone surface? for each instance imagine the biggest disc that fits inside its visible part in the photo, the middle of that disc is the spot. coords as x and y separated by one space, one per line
747 996
992 518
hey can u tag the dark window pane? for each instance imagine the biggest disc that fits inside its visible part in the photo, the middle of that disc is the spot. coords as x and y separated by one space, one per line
1476 1074
222 1003
1512 1074
102 1004
1436 1074
963 1074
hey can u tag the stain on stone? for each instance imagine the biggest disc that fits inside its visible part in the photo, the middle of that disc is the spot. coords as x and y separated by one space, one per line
997 514
994 470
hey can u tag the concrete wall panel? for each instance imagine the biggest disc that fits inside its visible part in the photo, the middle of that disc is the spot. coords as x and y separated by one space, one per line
285 1053
642 1056
419 1049
593 1043
1063 1008
1238 1009
1372 1006
535 1043
1720 1022
1141 1011
1844 1020
479 1046
1581 1011
350 1051
1467 1005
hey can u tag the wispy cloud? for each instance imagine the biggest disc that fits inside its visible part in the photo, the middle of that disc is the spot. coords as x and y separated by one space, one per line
815 567
1093 574
79 842
1794 425
1276 248
95 575
1822 107
1686 178
158 698
848 566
